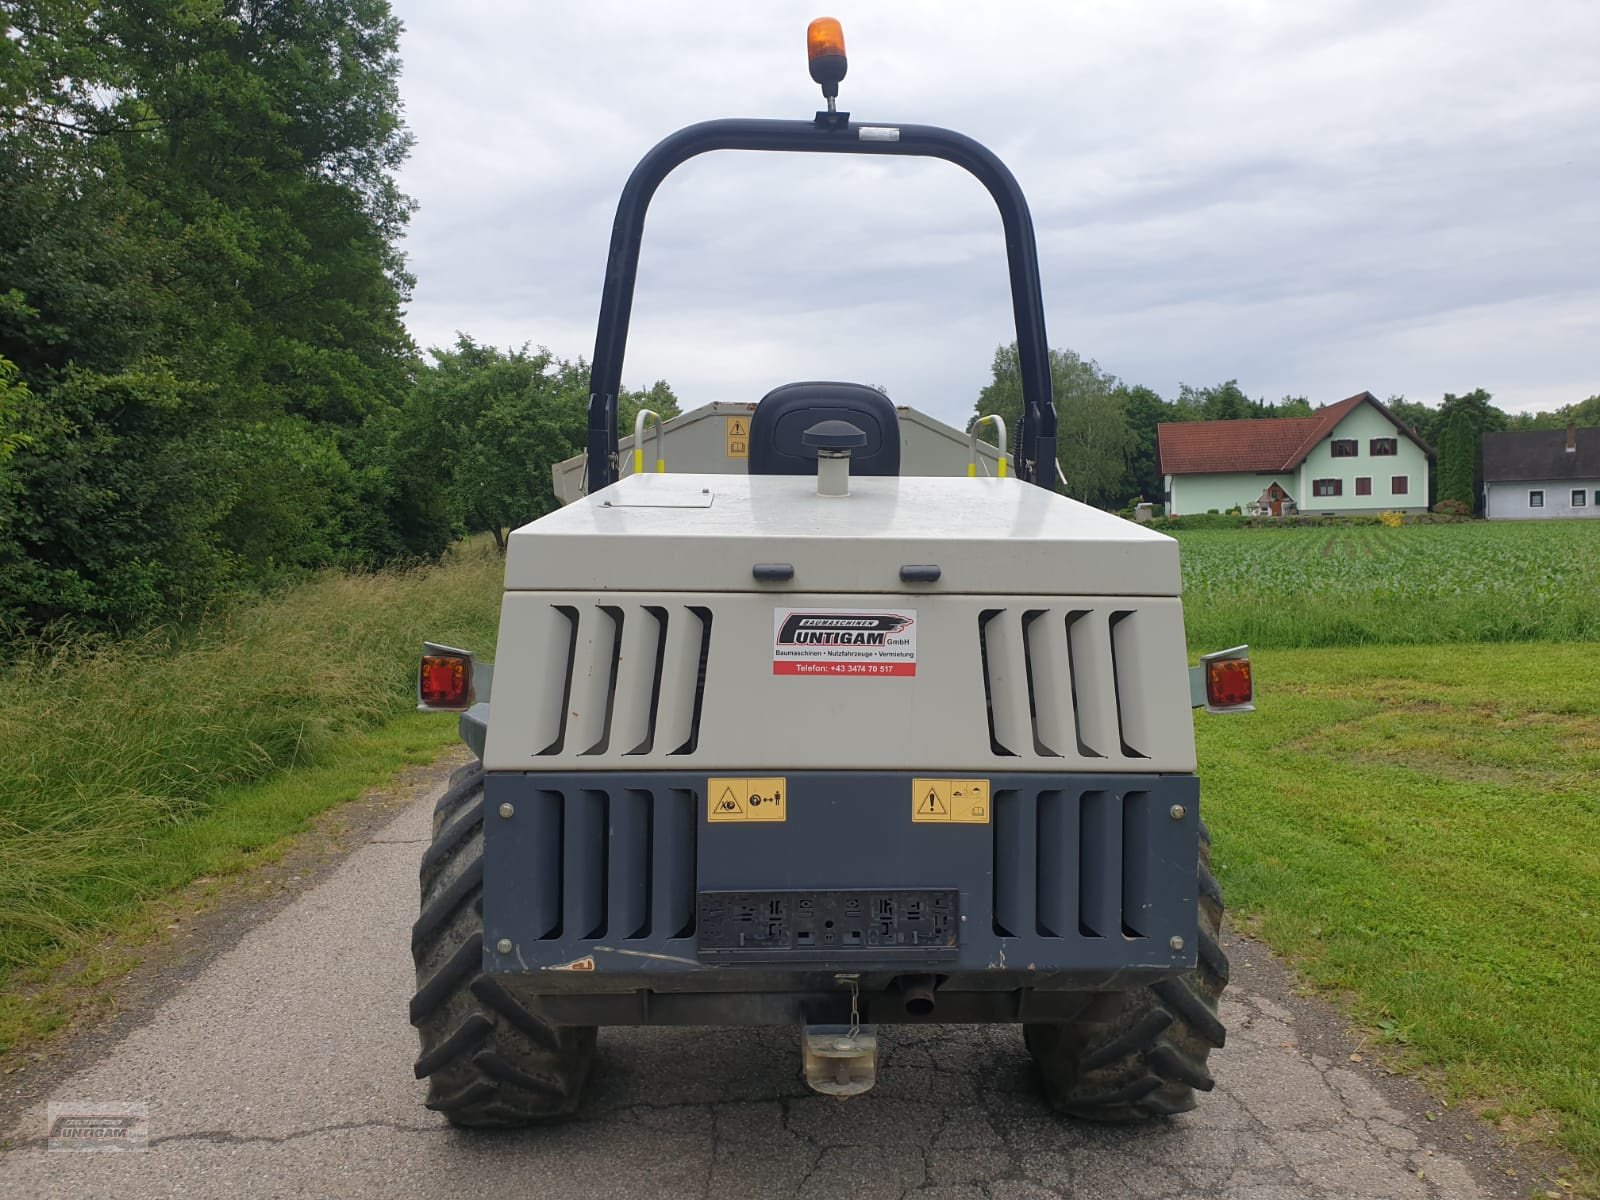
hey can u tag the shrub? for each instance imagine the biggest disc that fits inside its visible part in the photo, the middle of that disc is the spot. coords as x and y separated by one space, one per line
1453 508
1208 520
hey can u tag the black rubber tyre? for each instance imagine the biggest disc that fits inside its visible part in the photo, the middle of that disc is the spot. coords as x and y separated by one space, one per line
1134 1055
490 1060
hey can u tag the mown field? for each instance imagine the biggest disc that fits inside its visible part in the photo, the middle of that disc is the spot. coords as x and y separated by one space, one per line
1417 828
1413 814
1516 581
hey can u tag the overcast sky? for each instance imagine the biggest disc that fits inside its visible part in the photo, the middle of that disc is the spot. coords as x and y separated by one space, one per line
1314 198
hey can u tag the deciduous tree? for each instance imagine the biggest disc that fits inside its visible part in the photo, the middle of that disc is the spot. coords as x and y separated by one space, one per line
1093 440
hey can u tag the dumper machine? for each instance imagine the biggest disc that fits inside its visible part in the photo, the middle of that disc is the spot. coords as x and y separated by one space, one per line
825 745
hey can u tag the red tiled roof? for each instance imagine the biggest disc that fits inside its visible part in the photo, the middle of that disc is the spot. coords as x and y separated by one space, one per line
1271 444
1199 447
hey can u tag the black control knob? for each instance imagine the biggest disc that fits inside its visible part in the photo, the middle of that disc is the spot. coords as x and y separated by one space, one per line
833 436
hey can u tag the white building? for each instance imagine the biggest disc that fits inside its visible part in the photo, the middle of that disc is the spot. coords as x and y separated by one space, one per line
1346 458
1541 473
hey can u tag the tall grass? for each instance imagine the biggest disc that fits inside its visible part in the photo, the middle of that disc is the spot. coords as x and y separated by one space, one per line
104 752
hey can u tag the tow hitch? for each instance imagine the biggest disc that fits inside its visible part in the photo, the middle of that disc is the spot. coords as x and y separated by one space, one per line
841 1060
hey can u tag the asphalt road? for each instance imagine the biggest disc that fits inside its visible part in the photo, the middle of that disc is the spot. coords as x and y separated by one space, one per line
283 1068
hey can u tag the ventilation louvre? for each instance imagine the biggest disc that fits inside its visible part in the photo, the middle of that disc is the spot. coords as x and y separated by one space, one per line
613 863
633 679
1073 865
1064 683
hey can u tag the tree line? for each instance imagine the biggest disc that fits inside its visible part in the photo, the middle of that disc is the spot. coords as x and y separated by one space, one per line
206 386
205 382
1106 437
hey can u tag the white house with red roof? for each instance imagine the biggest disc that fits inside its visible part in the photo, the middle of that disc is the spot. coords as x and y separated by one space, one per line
1345 459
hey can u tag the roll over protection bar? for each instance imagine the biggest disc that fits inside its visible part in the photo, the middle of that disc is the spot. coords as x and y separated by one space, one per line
829 133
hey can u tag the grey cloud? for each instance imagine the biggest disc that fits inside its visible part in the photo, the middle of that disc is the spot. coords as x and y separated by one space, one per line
1311 199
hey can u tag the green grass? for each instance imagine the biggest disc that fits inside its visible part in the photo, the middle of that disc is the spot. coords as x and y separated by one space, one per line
126 772
1516 581
1418 828
244 826
1415 823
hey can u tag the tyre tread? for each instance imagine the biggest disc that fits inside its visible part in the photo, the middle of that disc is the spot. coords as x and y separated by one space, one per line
490 1059
1134 1055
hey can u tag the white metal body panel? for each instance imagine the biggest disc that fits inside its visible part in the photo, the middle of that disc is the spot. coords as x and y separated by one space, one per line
656 533
610 681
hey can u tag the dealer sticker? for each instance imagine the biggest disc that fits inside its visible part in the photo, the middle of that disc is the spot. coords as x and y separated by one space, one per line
840 641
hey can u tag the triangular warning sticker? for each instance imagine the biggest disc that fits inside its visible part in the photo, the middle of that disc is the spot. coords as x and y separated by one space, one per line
736 428
931 804
729 802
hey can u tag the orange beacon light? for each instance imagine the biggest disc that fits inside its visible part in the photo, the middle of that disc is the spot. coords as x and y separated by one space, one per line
825 49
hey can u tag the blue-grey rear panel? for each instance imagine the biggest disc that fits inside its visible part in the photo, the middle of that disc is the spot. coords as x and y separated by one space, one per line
1086 875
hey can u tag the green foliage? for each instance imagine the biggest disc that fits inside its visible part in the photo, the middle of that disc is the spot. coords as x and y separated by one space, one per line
1349 584
107 506
1228 402
15 400
658 397
1419 418
1223 402
1206 520
488 424
1093 440
1585 413
198 227
1458 452
1145 409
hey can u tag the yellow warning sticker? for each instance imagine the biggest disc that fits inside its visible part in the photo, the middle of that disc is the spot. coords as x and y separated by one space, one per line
739 440
963 801
762 799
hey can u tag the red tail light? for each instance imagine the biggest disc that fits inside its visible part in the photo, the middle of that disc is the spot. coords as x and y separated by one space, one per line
444 679
1228 683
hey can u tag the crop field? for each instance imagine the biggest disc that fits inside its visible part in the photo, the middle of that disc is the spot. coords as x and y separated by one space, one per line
1310 586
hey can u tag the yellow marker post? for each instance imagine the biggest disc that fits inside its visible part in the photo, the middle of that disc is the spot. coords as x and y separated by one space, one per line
999 444
639 424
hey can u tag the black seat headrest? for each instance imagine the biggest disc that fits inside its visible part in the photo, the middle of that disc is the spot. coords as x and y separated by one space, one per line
778 426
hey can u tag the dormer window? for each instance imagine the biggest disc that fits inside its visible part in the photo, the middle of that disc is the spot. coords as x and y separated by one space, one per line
1344 447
